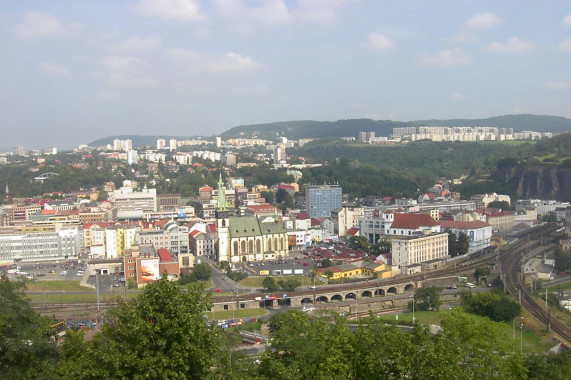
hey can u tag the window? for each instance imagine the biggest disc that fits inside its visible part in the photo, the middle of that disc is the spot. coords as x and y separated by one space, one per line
225 307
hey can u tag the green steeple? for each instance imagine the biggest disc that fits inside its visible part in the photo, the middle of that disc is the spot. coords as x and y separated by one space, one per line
221 204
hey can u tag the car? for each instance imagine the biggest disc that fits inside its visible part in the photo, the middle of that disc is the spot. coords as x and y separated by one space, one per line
469 285
40 275
452 287
217 290
313 287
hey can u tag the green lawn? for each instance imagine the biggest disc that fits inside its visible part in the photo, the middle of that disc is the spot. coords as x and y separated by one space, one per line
558 287
55 286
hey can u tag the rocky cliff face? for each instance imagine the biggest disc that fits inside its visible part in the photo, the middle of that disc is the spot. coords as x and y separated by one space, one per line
543 183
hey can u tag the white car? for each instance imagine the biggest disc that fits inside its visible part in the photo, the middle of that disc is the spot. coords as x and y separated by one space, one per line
470 285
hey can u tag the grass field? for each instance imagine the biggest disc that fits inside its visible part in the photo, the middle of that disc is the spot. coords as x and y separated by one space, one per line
55 286
558 287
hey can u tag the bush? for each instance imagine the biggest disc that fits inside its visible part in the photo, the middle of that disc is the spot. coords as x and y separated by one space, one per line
494 305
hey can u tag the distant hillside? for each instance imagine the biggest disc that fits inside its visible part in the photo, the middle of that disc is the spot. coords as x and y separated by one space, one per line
352 127
537 123
301 129
315 129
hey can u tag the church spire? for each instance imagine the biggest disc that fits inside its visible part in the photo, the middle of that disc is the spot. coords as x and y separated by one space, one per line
221 204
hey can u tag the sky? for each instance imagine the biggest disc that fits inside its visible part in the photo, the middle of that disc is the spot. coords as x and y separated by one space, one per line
75 71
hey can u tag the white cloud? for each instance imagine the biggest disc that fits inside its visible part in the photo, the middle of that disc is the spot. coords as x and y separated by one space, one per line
38 25
53 69
272 13
170 9
138 44
457 96
482 21
446 58
195 61
512 45
127 72
319 11
567 20
377 41
554 85
565 45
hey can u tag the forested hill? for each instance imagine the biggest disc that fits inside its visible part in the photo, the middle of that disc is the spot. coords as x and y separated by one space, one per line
302 129
537 123
352 127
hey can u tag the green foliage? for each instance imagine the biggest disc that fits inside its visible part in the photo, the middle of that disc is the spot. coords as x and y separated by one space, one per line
269 283
481 272
325 348
504 205
494 305
548 366
224 266
463 243
289 285
359 242
161 334
201 272
426 299
26 349
236 275
562 260
452 243
309 349
326 263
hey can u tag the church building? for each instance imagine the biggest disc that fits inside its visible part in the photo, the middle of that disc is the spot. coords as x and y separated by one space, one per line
247 238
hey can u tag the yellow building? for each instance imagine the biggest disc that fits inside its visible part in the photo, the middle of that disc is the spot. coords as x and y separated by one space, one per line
410 250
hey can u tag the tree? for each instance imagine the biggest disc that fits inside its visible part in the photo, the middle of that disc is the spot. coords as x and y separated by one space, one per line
494 305
202 272
237 275
463 244
289 285
359 242
452 243
160 334
426 299
269 283
504 205
269 196
308 349
481 272
26 350
562 260
326 263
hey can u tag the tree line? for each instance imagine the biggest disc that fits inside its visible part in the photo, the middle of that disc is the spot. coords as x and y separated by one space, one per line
163 334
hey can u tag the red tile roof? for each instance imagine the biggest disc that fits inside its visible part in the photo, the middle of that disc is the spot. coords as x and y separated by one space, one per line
413 221
164 254
353 231
302 215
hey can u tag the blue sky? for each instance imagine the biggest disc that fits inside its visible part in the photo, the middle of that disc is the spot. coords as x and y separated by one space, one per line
75 71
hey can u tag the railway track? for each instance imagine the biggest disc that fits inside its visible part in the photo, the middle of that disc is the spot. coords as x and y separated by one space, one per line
511 262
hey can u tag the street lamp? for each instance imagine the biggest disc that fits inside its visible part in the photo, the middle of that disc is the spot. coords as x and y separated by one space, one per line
513 329
521 338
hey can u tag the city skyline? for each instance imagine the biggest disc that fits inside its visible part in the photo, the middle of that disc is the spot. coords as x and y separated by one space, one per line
75 72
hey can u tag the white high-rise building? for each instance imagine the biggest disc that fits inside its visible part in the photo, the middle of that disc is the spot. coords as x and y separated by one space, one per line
161 144
172 145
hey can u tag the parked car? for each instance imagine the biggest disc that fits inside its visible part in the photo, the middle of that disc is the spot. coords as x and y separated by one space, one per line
452 287
470 285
